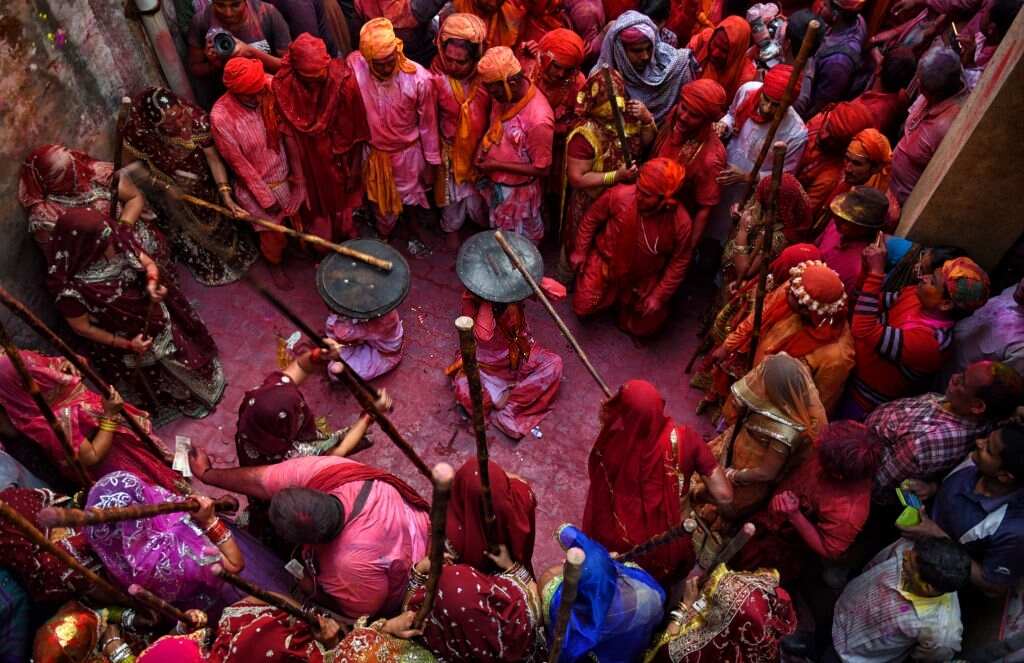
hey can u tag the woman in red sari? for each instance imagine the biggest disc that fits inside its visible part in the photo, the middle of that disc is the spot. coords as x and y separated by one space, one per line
143 335
55 179
722 54
515 511
98 434
640 470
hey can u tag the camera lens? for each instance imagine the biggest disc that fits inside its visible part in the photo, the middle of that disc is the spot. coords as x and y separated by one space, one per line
223 43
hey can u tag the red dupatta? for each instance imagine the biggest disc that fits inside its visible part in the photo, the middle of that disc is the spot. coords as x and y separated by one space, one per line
634 482
338 475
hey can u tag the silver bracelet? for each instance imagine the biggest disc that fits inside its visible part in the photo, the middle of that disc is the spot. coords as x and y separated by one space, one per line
677 616
120 654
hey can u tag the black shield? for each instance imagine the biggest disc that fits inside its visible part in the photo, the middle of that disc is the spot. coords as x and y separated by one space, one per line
487 272
357 290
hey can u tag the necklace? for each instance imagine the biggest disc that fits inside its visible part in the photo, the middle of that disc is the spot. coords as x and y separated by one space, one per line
643 231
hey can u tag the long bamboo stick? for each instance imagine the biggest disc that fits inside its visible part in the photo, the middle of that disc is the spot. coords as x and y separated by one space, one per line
443 475
83 367
686 527
571 572
361 256
467 344
163 607
276 600
60 517
29 385
787 100
518 264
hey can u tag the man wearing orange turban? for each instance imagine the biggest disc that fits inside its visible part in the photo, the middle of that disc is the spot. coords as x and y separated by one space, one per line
746 124
401 109
689 137
320 108
269 182
559 54
828 134
463 111
868 162
515 153
806 318
632 249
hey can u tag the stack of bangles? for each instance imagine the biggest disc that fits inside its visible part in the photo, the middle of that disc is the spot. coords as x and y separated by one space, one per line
685 612
519 572
609 178
123 653
108 424
218 532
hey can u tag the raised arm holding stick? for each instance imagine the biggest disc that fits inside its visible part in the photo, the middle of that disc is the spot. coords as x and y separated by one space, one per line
79 363
443 475
59 517
44 408
571 572
518 264
467 344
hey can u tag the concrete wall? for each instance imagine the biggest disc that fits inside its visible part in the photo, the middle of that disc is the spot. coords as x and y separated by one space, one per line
64 66
969 196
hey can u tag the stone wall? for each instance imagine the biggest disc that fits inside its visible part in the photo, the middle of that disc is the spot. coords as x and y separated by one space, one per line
64 66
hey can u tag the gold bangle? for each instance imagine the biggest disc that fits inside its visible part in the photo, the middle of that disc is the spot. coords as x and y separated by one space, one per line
107 424
224 187
609 178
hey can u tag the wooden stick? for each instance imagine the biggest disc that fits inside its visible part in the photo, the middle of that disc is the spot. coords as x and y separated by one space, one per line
373 261
115 178
518 264
443 476
159 605
278 601
83 367
59 517
571 571
792 86
35 536
735 544
29 385
620 123
467 344
766 242
686 527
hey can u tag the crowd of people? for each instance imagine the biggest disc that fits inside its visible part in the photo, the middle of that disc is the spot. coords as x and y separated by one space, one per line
865 390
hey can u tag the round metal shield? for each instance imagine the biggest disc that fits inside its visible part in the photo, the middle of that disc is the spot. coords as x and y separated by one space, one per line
487 272
353 288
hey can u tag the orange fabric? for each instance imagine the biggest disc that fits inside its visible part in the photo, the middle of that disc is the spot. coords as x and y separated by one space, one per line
966 283
499 63
502 26
377 40
775 81
822 284
380 183
848 118
661 177
468 27
471 28
705 97
246 76
738 68
873 146
497 129
309 55
562 46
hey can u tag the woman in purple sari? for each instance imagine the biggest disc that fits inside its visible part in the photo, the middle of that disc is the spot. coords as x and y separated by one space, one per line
172 138
141 333
172 554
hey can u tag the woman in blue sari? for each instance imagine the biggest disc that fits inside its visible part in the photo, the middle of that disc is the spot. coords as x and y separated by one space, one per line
617 607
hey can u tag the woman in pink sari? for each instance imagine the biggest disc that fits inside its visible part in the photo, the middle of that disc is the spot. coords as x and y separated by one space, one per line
81 413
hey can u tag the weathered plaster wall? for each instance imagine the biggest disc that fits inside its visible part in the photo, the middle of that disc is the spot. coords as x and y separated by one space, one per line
64 66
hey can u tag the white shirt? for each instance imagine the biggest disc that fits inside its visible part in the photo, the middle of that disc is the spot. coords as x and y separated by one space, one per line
875 622
745 146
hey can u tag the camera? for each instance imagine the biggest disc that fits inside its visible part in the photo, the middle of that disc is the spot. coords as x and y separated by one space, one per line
223 43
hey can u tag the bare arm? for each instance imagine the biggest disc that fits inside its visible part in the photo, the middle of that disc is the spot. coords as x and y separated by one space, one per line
132 200
244 480
719 486
769 470
352 436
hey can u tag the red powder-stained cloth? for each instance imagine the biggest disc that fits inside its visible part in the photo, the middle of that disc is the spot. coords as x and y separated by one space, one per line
328 121
520 379
515 511
640 468
820 170
250 630
738 68
837 509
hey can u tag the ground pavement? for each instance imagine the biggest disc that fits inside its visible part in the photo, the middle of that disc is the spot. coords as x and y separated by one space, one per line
247 331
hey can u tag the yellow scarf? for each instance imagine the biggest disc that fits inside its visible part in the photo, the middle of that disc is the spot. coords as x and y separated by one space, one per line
497 129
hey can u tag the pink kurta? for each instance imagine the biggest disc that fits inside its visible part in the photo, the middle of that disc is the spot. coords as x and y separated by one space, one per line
526 139
845 260
923 132
518 397
402 114
371 347
366 568
261 172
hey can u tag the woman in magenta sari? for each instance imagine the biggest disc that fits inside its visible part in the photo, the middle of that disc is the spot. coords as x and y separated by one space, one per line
141 333
172 554
55 179
80 412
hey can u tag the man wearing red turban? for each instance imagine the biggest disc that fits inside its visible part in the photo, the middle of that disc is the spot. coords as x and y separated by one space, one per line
828 135
320 107
746 124
269 181
633 248
689 138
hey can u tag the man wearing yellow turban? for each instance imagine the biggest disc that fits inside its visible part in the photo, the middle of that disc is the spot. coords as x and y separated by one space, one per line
401 109
464 107
515 153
